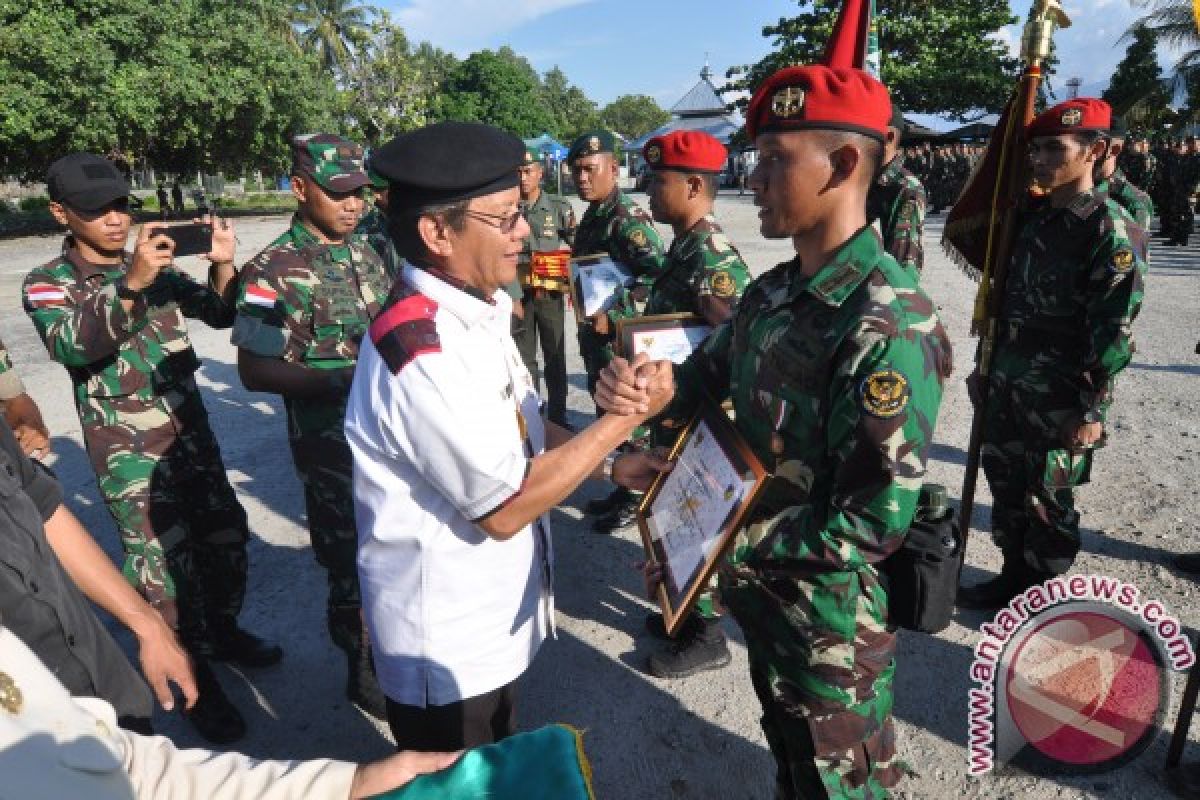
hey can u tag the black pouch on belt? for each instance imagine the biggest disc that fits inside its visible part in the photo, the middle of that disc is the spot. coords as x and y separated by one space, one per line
921 578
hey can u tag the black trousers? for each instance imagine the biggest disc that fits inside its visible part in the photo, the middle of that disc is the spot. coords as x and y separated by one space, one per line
468 723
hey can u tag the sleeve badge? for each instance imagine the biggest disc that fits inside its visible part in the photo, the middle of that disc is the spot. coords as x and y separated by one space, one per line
885 393
638 238
722 284
1122 261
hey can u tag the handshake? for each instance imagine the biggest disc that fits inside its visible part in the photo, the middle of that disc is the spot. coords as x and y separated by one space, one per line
640 387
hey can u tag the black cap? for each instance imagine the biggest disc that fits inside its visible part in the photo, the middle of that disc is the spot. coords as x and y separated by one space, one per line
1116 127
85 181
448 162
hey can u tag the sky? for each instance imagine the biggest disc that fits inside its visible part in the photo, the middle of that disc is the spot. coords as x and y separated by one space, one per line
614 47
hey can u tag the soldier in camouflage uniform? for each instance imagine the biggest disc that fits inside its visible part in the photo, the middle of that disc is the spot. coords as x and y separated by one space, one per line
705 275
374 224
897 200
115 320
541 297
1111 180
1073 290
20 411
835 365
305 303
615 225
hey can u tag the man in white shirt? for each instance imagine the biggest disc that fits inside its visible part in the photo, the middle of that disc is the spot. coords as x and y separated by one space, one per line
454 469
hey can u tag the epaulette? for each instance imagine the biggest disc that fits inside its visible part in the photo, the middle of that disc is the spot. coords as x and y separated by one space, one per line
405 329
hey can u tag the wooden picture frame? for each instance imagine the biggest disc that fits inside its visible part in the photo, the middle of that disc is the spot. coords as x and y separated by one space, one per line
677 334
690 515
579 269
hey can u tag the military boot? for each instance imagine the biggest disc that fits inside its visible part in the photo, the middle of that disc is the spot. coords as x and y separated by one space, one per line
657 626
621 516
701 648
603 505
997 592
213 716
229 642
362 687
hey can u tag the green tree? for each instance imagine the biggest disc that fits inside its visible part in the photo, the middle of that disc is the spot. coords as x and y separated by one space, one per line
385 88
938 56
333 28
188 84
633 115
1136 89
573 112
499 88
1173 24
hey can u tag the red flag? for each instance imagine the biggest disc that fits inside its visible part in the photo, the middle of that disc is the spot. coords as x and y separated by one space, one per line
848 45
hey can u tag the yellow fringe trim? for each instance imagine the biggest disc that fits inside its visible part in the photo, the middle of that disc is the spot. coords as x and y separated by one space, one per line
585 766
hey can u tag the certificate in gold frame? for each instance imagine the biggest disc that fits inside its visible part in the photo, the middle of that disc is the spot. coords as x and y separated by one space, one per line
669 336
690 515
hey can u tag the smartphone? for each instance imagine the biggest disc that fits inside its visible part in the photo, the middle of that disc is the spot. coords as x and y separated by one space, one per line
192 239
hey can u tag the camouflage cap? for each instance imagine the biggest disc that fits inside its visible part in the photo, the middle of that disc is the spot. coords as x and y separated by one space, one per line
334 163
591 143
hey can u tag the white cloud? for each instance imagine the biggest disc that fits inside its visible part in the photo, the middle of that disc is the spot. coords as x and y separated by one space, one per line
465 25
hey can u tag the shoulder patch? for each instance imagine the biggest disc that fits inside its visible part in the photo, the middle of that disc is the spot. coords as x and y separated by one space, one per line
1122 260
722 284
44 295
884 393
406 330
638 238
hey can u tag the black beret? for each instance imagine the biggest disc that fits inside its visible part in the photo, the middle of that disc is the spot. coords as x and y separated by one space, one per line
448 162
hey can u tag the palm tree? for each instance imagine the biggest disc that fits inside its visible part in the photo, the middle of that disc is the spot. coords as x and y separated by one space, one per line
1175 24
332 27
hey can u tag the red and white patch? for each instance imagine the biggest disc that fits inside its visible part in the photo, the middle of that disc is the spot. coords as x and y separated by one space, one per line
41 295
259 296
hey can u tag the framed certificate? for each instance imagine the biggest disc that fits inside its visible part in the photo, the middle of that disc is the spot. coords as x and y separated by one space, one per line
669 336
690 515
595 280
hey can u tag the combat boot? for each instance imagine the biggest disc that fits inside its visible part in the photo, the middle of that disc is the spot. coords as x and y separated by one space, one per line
995 593
621 516
229 642
603 505
705 648
362 687
213 716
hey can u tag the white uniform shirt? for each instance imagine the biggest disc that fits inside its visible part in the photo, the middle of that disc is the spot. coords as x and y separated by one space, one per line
55 746
432 422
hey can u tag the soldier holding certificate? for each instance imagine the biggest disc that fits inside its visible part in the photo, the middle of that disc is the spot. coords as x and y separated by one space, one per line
835 363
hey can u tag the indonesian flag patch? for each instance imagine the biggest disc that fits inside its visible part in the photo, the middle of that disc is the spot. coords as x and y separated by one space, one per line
261 296
41 295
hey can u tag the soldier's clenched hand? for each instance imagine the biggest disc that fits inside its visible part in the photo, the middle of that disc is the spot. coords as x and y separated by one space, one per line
153 252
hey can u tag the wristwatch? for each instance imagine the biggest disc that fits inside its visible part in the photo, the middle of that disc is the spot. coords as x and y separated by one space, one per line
609 461
125 293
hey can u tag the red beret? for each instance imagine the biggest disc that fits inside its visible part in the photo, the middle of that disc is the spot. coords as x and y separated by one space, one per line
820 97
1073 116
689 151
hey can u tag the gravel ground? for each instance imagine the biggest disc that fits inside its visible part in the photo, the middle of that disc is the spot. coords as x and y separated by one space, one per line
698 737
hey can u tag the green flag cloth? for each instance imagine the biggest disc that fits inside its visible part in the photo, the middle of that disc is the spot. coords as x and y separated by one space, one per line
546 764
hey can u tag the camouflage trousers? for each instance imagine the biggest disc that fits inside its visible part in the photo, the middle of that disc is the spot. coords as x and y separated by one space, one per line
596 350
182 528
821 662
1031 475
324 464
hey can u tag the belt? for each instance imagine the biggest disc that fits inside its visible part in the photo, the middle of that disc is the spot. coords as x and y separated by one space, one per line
1025 335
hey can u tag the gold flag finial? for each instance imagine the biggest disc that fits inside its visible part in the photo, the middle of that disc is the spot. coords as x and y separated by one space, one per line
1046 16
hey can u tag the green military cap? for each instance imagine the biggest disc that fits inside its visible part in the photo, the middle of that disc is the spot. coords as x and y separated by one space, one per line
532 156
333 162
377 180
591 143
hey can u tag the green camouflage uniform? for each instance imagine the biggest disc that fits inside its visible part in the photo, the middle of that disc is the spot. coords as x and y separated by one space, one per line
618 227
836 382
897 200
1072 294
310 303
551 227
10 381
374 228
157 463
1129 197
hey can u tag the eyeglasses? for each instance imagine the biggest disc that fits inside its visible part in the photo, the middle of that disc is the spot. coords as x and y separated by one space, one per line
505 223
